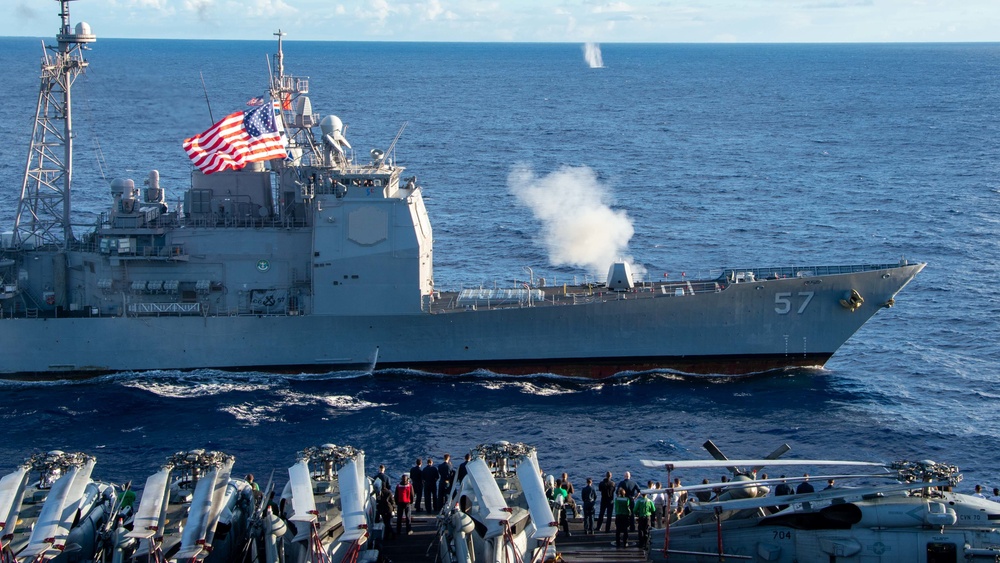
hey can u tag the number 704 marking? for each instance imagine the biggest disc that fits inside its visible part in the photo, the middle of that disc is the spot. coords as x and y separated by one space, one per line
783 301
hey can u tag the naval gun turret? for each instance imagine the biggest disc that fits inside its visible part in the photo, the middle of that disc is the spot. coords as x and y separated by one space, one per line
620 277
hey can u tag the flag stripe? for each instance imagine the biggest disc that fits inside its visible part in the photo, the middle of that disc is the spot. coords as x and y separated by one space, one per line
239 138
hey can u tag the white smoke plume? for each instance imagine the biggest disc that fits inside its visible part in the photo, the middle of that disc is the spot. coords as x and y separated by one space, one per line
579 228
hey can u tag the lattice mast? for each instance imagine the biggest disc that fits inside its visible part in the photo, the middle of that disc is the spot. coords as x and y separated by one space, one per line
43 212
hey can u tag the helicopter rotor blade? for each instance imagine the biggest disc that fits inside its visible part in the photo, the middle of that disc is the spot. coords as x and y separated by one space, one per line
707 464
717 454
778 452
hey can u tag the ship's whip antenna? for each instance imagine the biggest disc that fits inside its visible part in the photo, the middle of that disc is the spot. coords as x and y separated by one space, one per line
205 88
102 163
392 145
270 75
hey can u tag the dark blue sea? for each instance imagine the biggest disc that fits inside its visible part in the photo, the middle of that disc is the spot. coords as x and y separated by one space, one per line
719 155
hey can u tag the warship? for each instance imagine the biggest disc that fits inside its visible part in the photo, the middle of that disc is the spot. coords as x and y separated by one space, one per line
289 252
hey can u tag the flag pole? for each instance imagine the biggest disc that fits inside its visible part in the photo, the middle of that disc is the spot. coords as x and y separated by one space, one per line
205 88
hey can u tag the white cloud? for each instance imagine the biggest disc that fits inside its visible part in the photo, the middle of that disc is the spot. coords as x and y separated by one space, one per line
798 20
270 8
162 5
612 8
527 20
380 9
433 9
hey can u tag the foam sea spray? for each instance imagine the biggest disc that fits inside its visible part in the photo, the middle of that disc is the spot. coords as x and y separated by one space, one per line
592 54
579 228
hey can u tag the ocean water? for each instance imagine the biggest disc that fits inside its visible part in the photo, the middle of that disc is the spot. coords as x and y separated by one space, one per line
717 155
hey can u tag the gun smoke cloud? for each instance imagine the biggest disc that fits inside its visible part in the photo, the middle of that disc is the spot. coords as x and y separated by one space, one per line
579 228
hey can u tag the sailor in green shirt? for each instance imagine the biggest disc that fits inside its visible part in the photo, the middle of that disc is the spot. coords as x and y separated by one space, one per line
623 517
644 509
558 499
128 497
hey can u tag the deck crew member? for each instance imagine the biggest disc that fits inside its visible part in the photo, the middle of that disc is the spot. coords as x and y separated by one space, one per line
417 482
782 489
447 475
678 499
254 486
804 486
643 511
589 497
430 477
632 491
381 479
558 502
128 498
404 497
462 469
385 505
607 489
623 516
703 495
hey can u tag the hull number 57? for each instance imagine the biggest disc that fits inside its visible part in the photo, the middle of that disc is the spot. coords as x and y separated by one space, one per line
783 301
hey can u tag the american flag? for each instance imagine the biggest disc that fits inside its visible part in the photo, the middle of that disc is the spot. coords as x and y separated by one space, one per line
256 101
241 137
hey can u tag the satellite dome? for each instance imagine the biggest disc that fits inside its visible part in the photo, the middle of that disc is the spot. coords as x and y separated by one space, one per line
83 34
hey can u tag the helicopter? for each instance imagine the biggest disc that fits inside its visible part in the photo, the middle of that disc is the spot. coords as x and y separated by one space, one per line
897 511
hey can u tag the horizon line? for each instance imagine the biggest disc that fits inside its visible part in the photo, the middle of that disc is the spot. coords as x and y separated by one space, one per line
581 42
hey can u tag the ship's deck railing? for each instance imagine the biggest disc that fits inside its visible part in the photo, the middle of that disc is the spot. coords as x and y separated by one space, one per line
444 302
752 274
579 294
213 220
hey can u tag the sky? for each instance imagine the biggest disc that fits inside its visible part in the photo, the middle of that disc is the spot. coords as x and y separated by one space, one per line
647 21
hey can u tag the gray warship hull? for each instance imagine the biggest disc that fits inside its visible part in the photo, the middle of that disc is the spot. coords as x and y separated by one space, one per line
743 328
289 253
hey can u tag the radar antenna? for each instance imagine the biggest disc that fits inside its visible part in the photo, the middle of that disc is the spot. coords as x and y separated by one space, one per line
43 211
295 110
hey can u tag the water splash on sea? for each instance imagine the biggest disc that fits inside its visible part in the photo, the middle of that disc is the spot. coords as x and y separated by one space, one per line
592 54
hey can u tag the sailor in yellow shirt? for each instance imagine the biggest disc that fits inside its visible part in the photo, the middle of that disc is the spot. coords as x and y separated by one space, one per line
644 510
623 518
